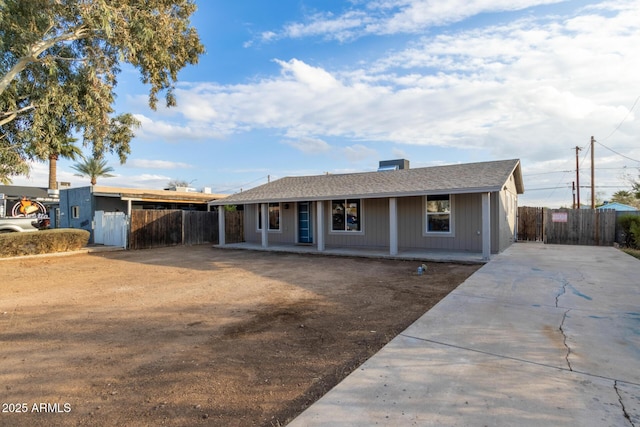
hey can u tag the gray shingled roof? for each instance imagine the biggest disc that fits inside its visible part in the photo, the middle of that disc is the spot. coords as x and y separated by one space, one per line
454 179
18 191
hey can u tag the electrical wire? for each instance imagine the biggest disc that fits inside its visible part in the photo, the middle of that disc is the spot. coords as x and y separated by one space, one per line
545 173
619 154
623 120
243 185
548 188
557 185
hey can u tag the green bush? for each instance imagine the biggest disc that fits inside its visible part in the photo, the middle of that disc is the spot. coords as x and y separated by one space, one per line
635 234
630 225
42 242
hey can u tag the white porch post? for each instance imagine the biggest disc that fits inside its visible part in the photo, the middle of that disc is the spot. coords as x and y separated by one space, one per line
320 224
264 213
486 226
393 226
221 225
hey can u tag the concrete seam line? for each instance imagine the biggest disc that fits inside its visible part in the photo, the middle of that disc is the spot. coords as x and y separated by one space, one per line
529 362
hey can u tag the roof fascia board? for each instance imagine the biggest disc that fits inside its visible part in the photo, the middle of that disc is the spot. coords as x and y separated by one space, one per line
100 194
224 202
135 198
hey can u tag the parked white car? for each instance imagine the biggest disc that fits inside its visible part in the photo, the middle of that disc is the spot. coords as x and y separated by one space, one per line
20 224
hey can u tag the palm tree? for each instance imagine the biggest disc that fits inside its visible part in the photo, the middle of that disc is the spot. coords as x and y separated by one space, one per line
51 146
93 168
62 147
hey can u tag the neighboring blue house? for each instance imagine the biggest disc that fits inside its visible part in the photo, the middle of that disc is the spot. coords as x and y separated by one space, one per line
78 206
618 207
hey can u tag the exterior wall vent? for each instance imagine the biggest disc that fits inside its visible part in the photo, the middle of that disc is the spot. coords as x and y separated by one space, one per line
393 165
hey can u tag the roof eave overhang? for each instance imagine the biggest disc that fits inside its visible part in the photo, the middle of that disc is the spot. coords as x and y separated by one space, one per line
517 177
153 198
224 202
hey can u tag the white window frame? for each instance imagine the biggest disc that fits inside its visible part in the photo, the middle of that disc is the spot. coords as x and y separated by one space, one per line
360 218
259 217
425 217
75 212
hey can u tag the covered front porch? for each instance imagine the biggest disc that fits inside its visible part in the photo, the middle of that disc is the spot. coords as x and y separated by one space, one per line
326 243
380 253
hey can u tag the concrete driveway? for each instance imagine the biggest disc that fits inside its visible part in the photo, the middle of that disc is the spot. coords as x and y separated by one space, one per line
541 335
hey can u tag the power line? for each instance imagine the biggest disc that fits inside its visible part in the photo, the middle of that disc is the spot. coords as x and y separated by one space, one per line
545 173
240 187
548 188
617 168
568 186
623 120
619 154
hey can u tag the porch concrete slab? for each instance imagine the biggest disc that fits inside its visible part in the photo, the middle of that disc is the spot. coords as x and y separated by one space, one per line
542 334
419 256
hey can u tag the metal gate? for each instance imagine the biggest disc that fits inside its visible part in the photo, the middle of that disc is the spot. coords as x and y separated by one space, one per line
110 229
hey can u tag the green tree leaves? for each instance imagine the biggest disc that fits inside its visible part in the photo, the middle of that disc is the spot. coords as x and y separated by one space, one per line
59 65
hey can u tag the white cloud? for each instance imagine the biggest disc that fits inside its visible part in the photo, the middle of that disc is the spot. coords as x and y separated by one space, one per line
149 180
359 152
315 78
393 17
309 145
415 16
398 153
340 27
268 36
530 89
38 176
151 129
156 164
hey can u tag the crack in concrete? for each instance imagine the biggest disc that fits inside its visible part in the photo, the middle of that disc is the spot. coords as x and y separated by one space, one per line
565 283
564 340
564 291
624 410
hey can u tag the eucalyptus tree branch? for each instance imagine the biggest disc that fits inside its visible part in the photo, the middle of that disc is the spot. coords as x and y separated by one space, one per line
36 49
7 116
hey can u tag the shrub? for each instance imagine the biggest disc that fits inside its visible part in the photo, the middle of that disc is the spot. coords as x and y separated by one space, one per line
635 234
42 242
630 225
633 252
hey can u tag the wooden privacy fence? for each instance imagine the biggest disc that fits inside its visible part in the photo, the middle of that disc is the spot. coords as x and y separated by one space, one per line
530 224
580 226
157 228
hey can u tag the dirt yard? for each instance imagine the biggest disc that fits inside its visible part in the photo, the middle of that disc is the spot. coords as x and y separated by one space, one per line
195 335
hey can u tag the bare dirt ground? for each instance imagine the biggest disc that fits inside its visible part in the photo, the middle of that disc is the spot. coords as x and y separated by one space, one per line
195 335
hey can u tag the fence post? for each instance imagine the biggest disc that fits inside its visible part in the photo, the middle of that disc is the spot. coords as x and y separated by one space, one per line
222 213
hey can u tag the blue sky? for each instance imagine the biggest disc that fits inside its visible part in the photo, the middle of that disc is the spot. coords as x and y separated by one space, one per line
307 87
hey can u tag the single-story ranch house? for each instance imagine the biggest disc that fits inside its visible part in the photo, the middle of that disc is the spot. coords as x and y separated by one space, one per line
456 208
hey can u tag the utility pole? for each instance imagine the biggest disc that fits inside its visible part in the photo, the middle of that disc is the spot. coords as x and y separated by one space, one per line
578 176
593 177
573 188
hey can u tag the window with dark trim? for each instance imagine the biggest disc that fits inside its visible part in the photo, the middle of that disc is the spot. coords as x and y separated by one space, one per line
346 215
273 214
439 213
